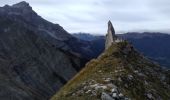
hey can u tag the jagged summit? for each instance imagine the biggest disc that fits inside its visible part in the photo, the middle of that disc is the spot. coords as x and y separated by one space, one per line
110 36
22 4
110 28
22 8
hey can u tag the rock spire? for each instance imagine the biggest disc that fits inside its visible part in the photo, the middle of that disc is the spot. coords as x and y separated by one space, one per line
110 36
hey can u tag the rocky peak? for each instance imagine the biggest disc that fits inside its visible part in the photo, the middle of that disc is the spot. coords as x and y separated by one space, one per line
22 4
110 36
22 8
110 28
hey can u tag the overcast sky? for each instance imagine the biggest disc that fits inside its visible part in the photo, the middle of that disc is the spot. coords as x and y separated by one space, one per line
91 16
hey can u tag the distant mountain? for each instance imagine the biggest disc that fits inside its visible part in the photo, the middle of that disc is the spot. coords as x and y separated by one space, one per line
86 36
153 45
120 73
37 57
53 33
96 42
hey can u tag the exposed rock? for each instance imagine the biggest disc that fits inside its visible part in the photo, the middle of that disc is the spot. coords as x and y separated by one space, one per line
114 95
130 77
111 85
110 36
121 95
88 91
114 90
105 96
149 95
94 88
22 4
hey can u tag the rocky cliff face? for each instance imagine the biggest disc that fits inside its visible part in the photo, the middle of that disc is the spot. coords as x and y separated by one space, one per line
36 57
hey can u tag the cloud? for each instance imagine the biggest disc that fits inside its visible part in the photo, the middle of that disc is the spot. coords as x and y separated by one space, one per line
92 15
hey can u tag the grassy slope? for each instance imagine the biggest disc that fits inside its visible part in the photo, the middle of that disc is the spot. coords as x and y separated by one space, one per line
117 63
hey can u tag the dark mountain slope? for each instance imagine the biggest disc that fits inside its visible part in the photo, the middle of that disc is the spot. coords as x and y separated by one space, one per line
36 57
23 14
30 68
120 73
153 45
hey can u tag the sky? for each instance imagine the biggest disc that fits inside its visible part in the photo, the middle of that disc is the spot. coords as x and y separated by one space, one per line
91 16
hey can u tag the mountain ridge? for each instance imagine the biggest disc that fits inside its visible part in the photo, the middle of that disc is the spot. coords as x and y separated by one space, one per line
119 66
119 73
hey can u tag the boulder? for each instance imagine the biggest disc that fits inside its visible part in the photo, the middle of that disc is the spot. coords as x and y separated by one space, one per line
105 96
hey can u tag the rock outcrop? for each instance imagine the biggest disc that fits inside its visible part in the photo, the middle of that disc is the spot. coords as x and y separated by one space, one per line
110 36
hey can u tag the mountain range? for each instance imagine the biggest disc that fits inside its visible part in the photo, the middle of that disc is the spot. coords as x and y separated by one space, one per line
38 57
153 45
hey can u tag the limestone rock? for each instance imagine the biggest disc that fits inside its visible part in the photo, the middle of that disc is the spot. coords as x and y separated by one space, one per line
105 96
110 36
